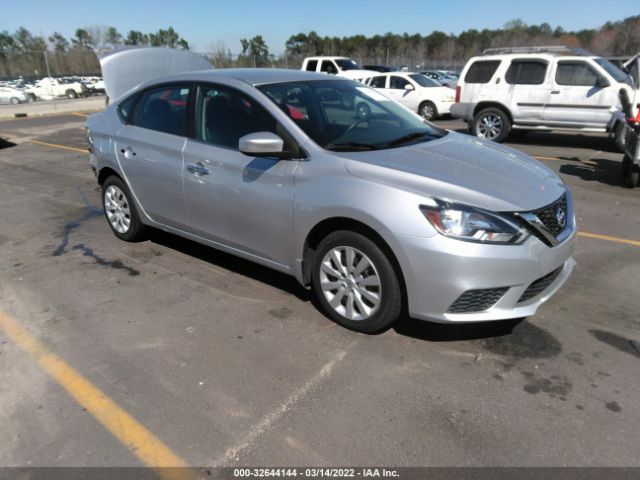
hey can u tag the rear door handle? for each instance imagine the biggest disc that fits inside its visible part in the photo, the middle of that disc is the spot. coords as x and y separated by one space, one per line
555 92
197 169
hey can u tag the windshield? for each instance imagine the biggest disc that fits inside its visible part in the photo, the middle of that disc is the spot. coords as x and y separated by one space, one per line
611 69
346 116
423 81
345 64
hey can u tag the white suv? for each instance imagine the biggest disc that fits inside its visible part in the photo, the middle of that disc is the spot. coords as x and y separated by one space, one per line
540 88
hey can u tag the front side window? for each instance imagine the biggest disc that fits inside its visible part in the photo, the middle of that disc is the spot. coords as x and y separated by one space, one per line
526 72
224 115
378 82
347 64
342 115
398 82
162 109
328 67
579 74
611 69
423 81
481 71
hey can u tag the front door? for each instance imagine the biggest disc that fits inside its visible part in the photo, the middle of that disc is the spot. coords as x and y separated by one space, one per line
576 99
149 150
397 91
242 202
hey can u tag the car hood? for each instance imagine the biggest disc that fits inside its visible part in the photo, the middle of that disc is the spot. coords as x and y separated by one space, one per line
463 169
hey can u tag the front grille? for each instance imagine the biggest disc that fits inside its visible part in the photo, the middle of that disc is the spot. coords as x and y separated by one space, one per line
540 285
548 216
477 300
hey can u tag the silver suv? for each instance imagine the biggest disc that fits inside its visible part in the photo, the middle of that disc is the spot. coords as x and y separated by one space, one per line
379 213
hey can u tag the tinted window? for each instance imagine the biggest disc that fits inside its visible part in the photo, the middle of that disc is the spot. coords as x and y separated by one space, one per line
481 71
397 82
345 64
423 80
163 109
312 65
328 67
576 74
224 115
526 72
611 69
378 82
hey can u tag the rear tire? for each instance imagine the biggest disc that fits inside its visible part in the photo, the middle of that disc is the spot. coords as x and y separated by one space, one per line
630 173
491 123
120 211
71 94
14 101
355 282
428 110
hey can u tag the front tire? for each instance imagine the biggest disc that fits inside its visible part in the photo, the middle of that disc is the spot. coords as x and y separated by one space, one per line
428 110
14 101
71 94
491 123
355 282
120 211
630 173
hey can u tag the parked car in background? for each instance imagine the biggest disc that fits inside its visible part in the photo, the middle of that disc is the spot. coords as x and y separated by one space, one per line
375 214
441 77
340 66
381 68
50 88
96 86
416 92
12 96
540 88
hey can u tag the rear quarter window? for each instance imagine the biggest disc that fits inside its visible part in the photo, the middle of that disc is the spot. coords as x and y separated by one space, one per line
481 71
311 65
126 107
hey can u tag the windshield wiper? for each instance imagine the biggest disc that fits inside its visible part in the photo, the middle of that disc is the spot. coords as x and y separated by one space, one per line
406 139
350 147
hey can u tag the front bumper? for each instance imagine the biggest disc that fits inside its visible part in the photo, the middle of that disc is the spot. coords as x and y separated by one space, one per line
438 270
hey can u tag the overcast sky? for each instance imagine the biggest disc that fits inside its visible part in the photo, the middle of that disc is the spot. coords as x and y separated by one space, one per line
205 23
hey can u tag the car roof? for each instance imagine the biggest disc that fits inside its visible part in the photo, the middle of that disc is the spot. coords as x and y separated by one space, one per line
252 76
543 55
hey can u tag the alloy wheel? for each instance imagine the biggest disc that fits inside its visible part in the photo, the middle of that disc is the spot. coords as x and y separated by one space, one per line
117 209
489 126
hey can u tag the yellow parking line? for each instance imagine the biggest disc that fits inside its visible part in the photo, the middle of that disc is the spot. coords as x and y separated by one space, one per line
597 236
140 441
64 147
77 114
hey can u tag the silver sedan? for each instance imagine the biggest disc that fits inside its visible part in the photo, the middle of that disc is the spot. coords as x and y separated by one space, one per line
379 212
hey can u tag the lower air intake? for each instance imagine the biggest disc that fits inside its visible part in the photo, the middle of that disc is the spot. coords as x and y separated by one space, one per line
540 285
477 300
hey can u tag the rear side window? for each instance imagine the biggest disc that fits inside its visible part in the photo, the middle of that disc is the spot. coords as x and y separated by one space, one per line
481 71
126 107
378 82
163 109
327 66
526 72
311 65
575 74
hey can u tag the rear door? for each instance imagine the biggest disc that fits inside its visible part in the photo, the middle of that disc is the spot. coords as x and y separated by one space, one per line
575 98
242 202
149 150
527 89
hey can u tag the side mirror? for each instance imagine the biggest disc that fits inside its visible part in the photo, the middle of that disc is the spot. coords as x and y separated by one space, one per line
602 82
408 87
261 144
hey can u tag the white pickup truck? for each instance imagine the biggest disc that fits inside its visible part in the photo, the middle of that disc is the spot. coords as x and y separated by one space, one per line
340 66
50 88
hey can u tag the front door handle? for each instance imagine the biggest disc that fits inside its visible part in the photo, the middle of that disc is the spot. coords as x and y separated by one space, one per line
198 169
555 92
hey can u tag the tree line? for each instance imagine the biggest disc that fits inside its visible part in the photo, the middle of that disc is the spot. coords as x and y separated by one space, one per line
611 39
25 54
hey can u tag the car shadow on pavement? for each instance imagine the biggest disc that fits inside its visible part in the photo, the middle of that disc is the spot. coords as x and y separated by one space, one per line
608 172
562 140
230 262
6 144
442 332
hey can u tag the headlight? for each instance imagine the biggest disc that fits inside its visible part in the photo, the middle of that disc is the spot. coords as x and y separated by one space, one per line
471 224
